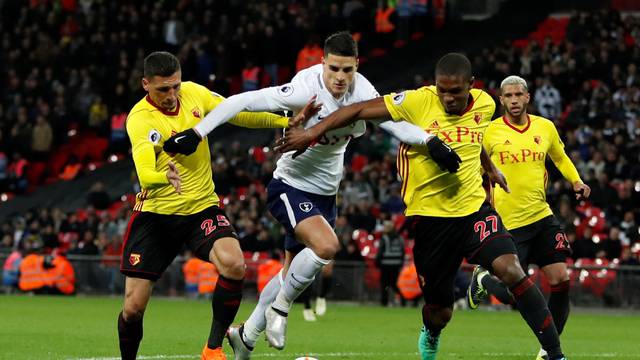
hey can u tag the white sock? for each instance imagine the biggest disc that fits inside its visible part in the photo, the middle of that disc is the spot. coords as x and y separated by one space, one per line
302 271
256 322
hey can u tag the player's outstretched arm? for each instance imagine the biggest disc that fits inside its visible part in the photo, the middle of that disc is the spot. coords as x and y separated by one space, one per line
569 172
267 99
406 132
566 167
299 139
268 120
446 158
495 175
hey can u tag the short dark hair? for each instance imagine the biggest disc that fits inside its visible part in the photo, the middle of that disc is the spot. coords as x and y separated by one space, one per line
454 64
341 44
160 63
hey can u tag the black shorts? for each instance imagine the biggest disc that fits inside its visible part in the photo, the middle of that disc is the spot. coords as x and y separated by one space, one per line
441 244
153 241
542 243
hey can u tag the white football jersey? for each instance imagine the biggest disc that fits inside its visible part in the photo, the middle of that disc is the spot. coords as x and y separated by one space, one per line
319 169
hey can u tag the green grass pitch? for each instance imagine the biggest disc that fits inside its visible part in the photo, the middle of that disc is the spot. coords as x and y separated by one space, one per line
85 328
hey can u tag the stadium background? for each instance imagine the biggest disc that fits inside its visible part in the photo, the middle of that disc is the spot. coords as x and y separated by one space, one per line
71 70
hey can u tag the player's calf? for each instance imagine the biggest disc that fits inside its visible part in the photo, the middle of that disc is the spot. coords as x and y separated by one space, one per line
129 336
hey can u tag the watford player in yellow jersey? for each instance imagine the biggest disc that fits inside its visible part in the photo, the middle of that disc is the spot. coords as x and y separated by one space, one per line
448 211
177 205
519 144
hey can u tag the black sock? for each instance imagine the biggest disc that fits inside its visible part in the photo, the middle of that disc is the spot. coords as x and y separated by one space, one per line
533 308
225 304
559 304
325 285
498 289
129 336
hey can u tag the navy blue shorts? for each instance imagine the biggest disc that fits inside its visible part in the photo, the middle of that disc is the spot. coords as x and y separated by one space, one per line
290 206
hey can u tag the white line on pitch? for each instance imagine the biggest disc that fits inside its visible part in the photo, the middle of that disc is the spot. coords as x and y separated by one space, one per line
357 354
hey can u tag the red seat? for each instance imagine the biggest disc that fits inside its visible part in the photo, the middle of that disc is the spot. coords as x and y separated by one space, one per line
97 149
35 171
58 160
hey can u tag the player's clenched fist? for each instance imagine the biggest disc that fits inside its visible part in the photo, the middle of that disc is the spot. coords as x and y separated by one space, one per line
185 142
444 155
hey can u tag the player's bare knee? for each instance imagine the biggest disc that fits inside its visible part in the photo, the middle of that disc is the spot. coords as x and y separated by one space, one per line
509 273
233 269
558 276
440 316
327 250
444 316
133 310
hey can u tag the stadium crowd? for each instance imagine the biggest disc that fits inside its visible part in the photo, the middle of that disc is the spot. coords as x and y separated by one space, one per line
75 66
67 69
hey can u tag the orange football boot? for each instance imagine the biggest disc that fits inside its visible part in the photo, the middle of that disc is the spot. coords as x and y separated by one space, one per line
213 354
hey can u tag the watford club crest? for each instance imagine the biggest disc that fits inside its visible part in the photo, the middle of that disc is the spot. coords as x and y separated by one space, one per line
196 112
134 259
477 117
537 139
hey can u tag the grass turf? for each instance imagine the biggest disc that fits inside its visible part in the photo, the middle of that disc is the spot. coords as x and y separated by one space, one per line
85 327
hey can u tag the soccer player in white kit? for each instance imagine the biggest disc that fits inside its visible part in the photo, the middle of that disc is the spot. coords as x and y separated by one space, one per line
302 194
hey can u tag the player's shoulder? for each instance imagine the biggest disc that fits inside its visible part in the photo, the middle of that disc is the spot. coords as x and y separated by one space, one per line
540 120
429 90
497 123
363 89
141 109
542 123
482 98
306 80
189 88
421 92
140 114
308 76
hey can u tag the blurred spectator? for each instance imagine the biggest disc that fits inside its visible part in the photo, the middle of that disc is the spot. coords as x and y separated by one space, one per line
349 253
41 139
173 30
17 174
628 258
98 116
86 246
584 247
11 271
548 100
98 197
389 259
311 54
4 175
250 76
191 272
20 135
611 245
